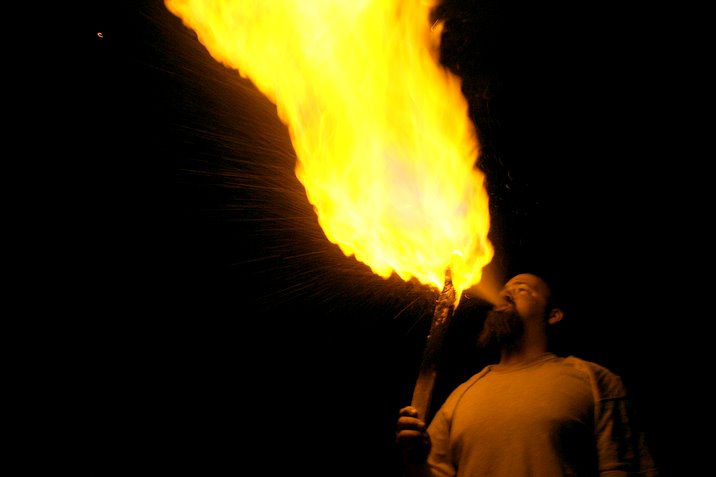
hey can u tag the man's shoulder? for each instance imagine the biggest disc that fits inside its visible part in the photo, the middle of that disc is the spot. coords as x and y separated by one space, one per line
468 383
605 380
592 366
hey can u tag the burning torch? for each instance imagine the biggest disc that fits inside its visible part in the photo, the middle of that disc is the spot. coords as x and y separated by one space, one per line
444 309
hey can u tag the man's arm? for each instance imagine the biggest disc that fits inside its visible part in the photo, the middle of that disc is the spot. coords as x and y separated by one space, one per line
414 442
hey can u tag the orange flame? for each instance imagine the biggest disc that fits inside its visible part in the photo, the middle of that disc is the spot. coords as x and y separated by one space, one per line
386 150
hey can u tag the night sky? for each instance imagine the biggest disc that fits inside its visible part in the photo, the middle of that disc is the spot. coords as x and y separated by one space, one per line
238 327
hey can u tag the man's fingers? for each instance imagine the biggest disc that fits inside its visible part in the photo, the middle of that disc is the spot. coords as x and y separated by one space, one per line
407 435
412 423
409 411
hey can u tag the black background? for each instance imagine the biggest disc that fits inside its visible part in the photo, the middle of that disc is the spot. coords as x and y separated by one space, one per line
229 320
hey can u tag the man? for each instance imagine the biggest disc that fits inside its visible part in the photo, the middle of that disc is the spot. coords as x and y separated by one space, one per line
533 414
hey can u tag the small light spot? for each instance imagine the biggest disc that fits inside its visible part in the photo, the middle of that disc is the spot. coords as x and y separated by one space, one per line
99 34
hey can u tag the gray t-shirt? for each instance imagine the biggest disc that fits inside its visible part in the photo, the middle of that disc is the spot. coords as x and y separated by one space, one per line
549 417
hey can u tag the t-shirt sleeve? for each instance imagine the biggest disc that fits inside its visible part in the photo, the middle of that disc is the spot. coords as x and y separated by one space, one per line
441 459
621 445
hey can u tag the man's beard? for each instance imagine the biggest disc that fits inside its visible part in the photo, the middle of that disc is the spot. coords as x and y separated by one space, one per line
503 329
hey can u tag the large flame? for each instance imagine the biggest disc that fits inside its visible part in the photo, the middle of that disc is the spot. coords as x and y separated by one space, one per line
386 150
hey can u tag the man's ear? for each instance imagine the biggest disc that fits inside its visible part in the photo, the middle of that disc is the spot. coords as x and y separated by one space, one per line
555 316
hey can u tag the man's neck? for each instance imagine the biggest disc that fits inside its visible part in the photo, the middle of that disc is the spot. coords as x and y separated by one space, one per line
522 353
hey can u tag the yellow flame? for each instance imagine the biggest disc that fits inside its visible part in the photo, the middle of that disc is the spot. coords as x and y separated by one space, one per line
386 150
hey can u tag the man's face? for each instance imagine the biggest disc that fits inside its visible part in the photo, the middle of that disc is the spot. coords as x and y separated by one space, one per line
524 300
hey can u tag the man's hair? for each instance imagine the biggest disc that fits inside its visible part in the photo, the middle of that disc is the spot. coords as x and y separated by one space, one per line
558 295
557 298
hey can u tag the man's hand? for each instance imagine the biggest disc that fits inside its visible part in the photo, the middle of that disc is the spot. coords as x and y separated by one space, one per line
412 438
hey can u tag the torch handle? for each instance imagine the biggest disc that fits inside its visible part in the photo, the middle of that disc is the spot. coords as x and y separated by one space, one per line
423 391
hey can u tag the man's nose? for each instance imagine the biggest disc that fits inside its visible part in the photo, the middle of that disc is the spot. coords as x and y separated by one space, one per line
506 296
